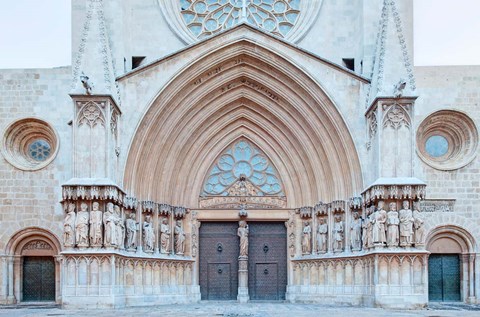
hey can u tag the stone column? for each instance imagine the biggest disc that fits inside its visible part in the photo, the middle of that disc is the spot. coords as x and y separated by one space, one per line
242 232
471 279
242 296
10 294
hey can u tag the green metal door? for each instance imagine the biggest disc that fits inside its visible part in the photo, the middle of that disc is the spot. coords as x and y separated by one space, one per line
444 277
38 278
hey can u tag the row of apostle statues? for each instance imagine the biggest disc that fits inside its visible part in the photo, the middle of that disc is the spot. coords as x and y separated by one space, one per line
110 229
378 228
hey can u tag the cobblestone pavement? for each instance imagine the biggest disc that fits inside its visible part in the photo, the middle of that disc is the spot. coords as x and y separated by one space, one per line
234 309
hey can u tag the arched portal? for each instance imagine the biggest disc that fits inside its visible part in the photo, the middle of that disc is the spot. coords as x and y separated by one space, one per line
242 91
33 273
451 264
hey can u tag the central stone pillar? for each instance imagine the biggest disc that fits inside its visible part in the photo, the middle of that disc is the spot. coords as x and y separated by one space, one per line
242 296
242 232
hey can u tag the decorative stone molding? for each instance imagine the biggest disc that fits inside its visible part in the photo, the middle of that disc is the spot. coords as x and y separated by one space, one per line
404 191
37 245
437 205
182 17
305 212
110 192
459 136
248 202
30 144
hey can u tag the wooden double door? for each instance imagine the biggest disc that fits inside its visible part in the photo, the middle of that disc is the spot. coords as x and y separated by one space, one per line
267 260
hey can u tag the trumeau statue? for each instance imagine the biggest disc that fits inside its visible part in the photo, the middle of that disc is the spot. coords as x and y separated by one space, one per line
68 227
307 238
338 230
378 224
110 226
242 232
148 234
164 236
132 228
356 232
392 225
418 225
81 226
96 225
322 233
179 238
119 227
406 225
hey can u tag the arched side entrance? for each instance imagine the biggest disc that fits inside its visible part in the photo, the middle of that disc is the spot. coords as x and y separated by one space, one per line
33 272
451 264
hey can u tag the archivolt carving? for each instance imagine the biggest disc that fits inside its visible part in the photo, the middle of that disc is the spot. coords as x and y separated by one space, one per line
304 135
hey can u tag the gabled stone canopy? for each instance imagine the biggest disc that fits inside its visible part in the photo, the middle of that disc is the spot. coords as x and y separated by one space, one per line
241 90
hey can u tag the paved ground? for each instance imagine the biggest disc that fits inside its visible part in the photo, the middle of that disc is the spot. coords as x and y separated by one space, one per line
234 309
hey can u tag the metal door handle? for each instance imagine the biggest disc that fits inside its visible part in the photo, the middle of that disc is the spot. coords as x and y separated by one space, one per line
220 271
219 247
265 271
265 248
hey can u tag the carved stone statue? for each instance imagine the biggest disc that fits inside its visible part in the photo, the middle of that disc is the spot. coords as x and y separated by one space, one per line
378 223
119 227
392 226
418 225
86 83
356 232
81 226
132 228
338 230
399 87
307 238
406 225
68 227
369 227
242 232
164 236
148 234
109 220
96 234
179 238
322 235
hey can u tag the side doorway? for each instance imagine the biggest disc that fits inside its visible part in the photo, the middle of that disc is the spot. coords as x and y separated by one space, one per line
267 257
444 277
38 278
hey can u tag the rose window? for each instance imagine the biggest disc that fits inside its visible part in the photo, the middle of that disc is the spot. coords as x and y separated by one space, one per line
207 17
241 163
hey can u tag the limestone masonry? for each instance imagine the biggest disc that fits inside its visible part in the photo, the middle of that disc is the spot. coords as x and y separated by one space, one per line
240 149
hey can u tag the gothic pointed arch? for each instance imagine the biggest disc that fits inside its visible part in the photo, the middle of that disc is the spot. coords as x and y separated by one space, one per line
242 89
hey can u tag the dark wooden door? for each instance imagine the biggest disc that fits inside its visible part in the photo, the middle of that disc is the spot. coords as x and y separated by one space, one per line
444 277
267 257
38 278
219 250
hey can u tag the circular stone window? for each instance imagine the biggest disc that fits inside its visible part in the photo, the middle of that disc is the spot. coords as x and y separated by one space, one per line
447 140
29 144
195 20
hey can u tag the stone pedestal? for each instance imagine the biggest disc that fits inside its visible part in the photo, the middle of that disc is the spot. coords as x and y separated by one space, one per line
242 296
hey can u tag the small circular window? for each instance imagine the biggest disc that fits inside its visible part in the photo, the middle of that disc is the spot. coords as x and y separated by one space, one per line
436 146
29 144
447 140
39 150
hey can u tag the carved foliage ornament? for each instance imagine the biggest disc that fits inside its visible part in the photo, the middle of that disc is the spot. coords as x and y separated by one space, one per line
37 245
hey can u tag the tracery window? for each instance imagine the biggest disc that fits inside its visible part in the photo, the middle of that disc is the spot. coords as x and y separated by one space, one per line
243 163
207 17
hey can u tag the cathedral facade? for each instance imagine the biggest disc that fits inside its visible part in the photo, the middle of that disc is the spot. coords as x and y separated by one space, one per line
240 150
